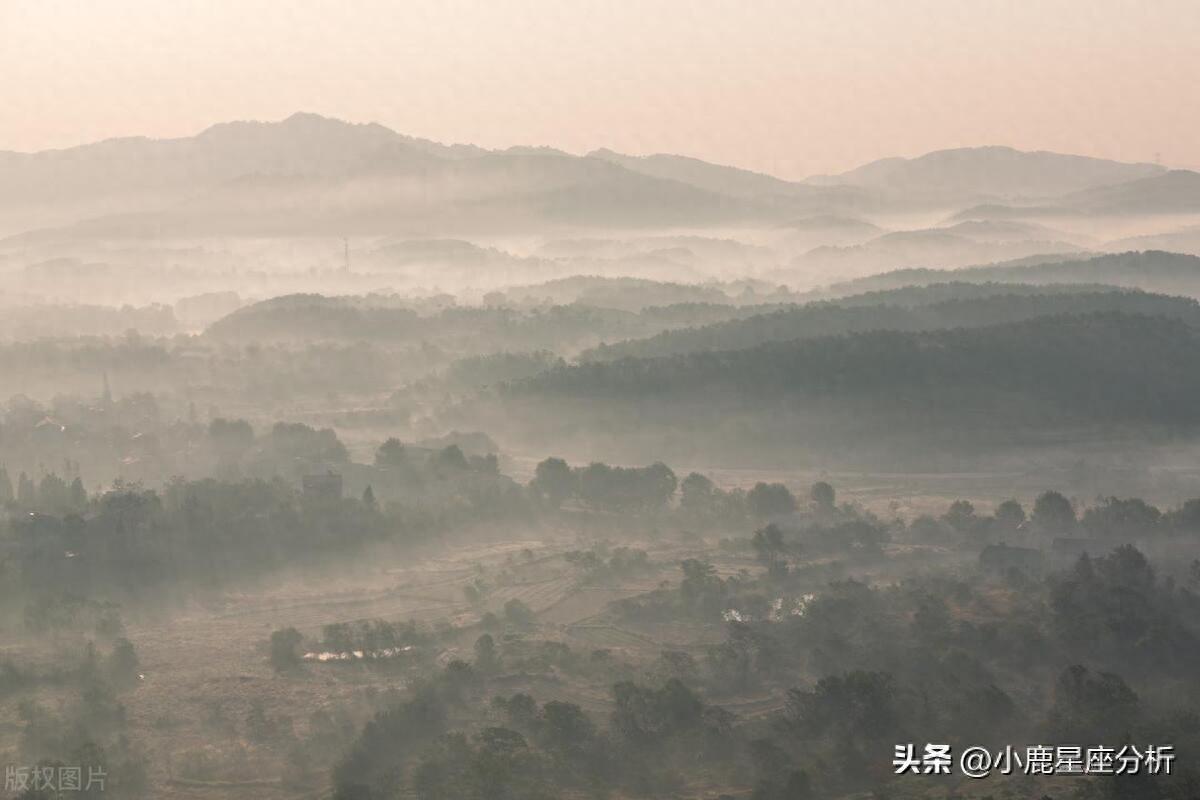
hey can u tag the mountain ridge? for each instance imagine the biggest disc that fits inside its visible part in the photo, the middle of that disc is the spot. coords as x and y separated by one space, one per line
233 178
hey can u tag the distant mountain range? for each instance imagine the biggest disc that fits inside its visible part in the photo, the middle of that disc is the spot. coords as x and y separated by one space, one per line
311 175
735 182
949 177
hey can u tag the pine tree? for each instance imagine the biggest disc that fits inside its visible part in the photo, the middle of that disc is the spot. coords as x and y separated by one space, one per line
79 496
6 487
26 493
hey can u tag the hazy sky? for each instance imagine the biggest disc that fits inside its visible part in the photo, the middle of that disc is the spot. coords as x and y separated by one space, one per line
786 87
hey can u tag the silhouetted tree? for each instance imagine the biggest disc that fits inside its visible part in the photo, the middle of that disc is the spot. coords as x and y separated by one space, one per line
390 454
26 492
1053 513
554 481
1009 515
770 500
696 492
1130 519
961 516
486 659
822 496
768 544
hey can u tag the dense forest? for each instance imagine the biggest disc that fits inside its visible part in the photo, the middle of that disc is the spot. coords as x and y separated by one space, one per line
971 391
926 308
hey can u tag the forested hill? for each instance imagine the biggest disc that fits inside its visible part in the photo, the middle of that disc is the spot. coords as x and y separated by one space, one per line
1067 369
968 306
1152 270
468 328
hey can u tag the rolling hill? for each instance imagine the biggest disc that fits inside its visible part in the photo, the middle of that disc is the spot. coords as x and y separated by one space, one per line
911 309
1151 270
966 396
